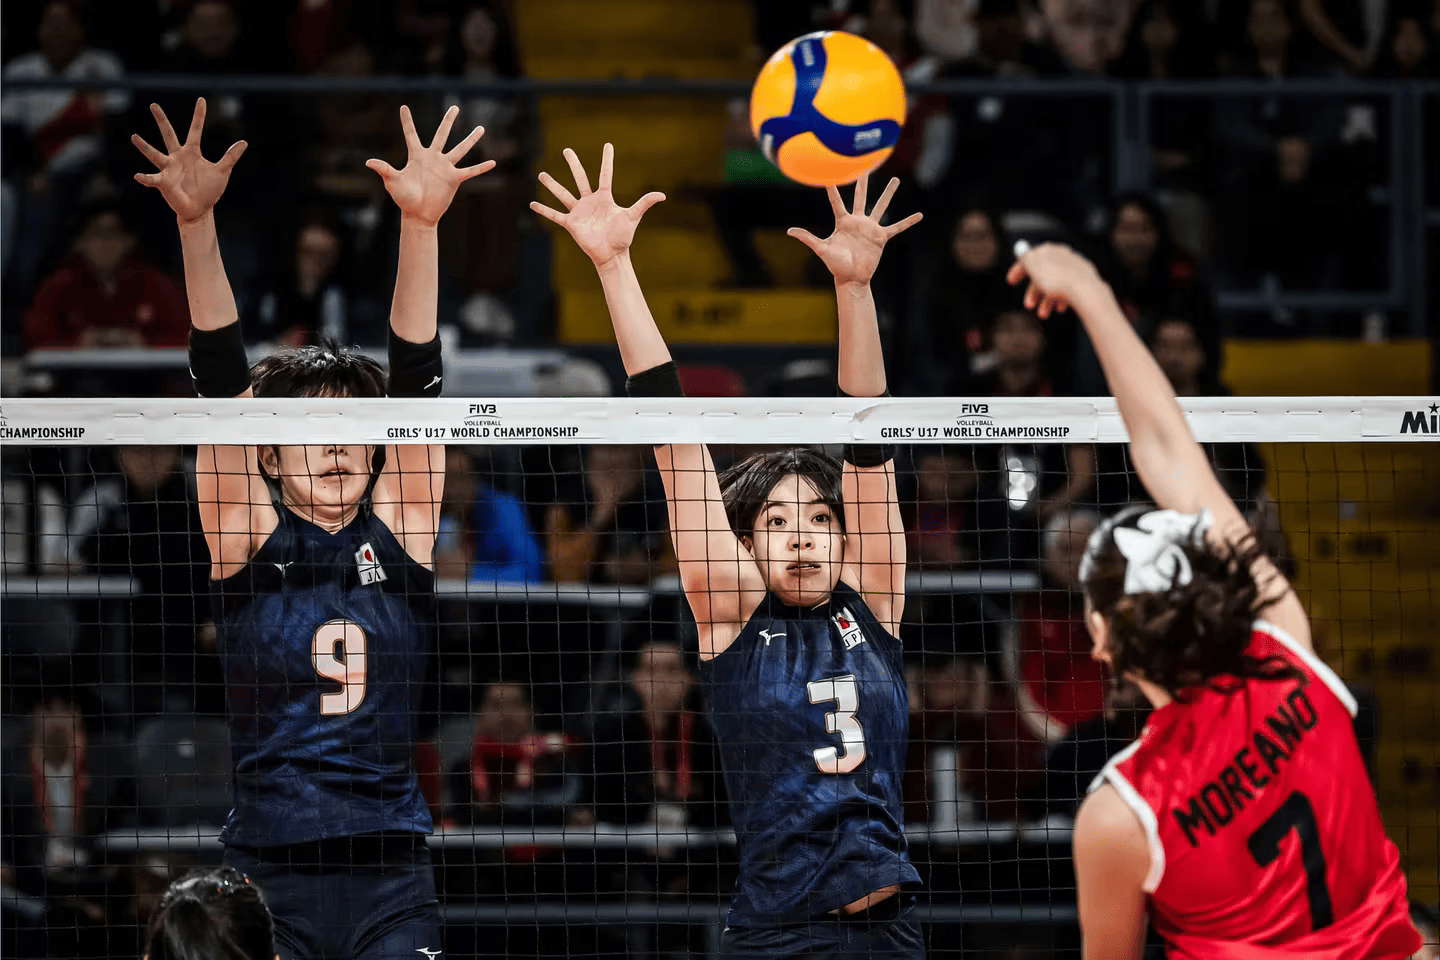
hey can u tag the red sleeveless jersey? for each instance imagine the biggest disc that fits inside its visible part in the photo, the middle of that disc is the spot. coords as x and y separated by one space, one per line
1265 835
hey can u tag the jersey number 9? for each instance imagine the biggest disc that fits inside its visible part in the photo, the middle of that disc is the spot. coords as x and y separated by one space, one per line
846 695
338 652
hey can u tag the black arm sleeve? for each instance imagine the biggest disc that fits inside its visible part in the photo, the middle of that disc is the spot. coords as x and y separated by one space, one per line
868 454
416 369
218 366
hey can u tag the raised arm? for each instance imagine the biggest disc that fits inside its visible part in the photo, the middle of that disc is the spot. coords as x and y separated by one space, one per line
720 578
874 534
231 494
1171 465
408 491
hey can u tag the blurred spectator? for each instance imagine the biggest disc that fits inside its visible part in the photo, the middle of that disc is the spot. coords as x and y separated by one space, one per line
944 509
758 195
972 755
1073 763
105 295
1151 277
144 524
1340 27
966 291
1084 36
1408 49
209 41
319 28
1167 41
314 297
1020 486
62 127
1058 677
654 757
946 28
922 154
32 525
484 534
351 128
1268 47
515 774
611 527
1181 355
480 239
61 787
53 139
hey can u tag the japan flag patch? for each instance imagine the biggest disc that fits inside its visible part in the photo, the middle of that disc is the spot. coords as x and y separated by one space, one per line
368 565
850 632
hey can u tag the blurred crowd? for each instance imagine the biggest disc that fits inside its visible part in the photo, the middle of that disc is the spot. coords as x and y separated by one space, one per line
1272 191
563 713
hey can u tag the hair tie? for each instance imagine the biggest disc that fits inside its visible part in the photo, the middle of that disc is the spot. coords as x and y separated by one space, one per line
1153 549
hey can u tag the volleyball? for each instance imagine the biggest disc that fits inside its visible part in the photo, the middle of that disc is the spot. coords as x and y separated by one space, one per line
827 108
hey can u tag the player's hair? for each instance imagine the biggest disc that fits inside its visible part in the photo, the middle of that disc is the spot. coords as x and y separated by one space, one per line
212 913
323 370
746 484
1191 635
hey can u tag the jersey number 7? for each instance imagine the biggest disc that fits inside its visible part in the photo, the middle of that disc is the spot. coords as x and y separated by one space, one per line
846 695
1296 813
338 652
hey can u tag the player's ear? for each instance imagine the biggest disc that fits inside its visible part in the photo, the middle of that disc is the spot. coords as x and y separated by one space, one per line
748 542
1099 634
269 455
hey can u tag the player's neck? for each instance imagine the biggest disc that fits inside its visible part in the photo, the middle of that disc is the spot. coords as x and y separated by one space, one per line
331 519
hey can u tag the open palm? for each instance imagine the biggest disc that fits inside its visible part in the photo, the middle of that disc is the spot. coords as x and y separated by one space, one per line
188 182
424 187
600 226
852 251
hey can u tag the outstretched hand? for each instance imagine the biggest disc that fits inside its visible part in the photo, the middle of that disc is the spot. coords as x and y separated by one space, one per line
424 187
188 182
601 227
852 251
1056 273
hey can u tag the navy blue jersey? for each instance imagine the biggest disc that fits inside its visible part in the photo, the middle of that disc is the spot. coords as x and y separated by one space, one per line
812 716
325 641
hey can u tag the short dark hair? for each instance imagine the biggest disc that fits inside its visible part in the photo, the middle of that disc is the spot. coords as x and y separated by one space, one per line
323 370
1190 635
212 913
745 485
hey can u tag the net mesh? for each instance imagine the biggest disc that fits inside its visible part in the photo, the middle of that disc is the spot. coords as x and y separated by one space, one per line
565 743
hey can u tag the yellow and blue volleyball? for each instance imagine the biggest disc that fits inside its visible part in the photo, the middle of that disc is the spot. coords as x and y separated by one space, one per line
827 107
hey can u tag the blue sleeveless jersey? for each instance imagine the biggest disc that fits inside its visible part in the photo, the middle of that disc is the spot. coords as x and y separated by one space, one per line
812 716
325 640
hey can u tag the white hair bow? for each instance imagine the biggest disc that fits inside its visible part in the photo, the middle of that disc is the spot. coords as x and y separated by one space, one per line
1155 560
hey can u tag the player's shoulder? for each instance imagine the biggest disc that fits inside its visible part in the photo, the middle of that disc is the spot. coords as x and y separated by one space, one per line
1268 639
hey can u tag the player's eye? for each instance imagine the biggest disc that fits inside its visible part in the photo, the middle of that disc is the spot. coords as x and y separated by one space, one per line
822 518
776 521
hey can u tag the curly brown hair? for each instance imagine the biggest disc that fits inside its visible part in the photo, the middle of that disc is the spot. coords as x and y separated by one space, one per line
1193 634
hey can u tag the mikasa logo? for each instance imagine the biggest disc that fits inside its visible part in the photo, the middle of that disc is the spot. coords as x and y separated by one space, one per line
369 567
868 139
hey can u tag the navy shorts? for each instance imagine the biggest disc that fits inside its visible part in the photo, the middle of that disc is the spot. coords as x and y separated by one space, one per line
348 898
884 932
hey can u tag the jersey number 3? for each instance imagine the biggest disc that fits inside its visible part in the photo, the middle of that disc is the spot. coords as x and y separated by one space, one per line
844 692
338 652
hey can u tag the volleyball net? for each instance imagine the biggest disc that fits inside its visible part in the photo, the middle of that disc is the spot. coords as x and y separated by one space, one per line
564 748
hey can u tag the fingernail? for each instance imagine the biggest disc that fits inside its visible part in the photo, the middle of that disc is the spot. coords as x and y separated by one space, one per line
1022 247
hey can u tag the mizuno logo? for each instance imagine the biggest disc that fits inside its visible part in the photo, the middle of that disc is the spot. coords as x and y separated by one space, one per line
770 636
432 383
427 951
281 567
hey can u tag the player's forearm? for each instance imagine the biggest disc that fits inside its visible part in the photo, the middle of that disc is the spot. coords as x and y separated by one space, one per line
207 289
861 366
416 302
1166 456
641 345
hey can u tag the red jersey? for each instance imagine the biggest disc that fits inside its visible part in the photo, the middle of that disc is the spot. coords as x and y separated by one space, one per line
1265 835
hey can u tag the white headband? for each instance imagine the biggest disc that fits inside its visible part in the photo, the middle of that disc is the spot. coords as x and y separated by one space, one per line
1153 549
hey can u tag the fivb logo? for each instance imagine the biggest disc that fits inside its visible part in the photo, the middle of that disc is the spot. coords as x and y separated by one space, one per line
1420 421
368 565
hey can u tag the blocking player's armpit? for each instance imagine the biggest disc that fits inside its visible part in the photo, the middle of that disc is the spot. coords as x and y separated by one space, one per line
868 454
659 381
416 369
218 367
